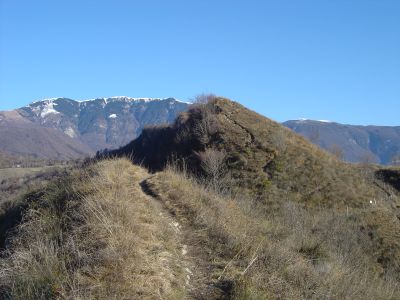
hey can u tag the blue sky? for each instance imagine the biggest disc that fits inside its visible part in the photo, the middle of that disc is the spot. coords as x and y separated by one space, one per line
322 59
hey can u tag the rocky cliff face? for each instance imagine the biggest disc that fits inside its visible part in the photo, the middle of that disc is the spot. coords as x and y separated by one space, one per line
94 124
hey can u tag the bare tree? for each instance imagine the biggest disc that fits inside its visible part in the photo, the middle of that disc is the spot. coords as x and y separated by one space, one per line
203 98
208 123
213 163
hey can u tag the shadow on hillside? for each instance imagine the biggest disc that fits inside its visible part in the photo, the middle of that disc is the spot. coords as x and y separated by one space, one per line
390 176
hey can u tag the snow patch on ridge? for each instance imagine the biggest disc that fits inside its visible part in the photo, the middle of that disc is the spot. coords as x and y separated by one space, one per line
48 108
50 101
45 100
309 120
70 132
180 101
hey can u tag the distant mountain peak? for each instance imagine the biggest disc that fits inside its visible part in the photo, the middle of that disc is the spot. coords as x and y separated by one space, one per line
106 100
87 125
49 99
44 107
46 100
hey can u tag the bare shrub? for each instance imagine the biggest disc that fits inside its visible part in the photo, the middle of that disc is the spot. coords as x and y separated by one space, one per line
182 135
207 126
203 98
213 163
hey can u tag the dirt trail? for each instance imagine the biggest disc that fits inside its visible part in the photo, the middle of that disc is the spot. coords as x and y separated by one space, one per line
197 268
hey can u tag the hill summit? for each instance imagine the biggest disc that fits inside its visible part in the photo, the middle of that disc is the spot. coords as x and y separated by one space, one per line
259 154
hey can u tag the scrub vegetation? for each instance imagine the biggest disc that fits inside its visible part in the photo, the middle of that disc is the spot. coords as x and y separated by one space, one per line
226 204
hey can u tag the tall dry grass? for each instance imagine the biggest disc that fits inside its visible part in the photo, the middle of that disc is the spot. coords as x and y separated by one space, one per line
287 253
93 235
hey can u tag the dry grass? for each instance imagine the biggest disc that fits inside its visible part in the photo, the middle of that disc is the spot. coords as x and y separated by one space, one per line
293 253
266 215
16 187
265 159
93 235
292 221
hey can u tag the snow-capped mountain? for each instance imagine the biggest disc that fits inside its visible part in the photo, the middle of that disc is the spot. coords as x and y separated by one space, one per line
94 124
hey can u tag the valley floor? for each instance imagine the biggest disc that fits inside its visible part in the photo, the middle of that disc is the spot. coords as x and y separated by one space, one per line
8 173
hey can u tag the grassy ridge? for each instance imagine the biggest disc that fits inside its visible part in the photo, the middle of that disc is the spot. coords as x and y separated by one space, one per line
93 235
293 253
265 159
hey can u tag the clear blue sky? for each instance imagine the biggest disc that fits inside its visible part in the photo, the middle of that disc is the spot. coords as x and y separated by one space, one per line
322 59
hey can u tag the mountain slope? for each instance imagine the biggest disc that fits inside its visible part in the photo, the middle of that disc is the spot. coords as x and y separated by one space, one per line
105 122
358 143
290 253
231 146
19 136
263 157
80 128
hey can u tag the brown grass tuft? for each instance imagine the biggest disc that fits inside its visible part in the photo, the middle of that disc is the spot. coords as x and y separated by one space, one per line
290 253
94 235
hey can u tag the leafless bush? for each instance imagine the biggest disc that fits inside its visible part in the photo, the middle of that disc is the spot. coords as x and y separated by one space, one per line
212 162
182 136
207 126
203 98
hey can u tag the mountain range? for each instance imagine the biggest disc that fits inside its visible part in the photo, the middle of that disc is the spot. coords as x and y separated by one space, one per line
64 128
372 144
